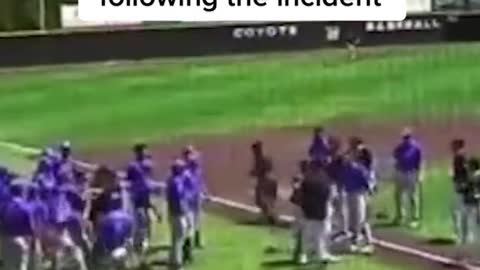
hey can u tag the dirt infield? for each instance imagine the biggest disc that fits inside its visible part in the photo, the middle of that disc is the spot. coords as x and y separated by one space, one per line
227 158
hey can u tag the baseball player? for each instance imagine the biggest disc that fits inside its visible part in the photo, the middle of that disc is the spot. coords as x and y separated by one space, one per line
44 174
408 158
64 165
363 154
114 243
357 182
78 228
17 229
266 186
63 222
296 200
317 210
468 204
39 214
197 189
459 174
177 211
6 178
352 42
139 176
339 198
320 148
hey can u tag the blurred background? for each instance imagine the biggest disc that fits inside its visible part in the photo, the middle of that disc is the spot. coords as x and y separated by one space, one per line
24 15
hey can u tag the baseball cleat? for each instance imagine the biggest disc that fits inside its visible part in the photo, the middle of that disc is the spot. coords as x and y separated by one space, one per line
330 259
303 260
354 248
414 224
367 250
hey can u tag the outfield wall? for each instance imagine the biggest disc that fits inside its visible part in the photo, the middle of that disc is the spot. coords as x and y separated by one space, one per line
134 44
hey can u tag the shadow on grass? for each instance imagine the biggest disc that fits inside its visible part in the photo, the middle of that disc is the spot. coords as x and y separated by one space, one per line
289 264
253 222
155 264
441 241
156 249
262 223
385 225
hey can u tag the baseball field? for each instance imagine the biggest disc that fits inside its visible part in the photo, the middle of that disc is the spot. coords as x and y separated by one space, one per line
222 104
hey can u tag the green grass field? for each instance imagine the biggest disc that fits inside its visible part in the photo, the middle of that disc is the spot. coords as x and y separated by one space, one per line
113 104
102 104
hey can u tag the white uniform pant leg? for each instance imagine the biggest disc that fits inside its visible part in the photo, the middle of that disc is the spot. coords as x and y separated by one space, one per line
358 216
321 235
141 233
297 231
307 237
199 240
35 262
457 213
197 220
178 233
406 186
468 216
190 219
340 207
69 252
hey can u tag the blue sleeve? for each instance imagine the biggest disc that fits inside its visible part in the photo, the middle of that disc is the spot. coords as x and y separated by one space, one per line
364 177
182 197
131 172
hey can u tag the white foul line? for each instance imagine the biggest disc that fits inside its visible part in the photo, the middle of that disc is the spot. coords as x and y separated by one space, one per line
285 218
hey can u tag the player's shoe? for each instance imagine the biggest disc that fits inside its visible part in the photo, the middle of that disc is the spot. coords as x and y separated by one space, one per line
367 249
414 224
353 248
330 259
302 259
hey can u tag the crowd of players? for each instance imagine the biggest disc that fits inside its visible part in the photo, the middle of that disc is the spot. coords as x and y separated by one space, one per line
62 217
332 190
